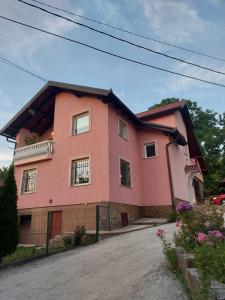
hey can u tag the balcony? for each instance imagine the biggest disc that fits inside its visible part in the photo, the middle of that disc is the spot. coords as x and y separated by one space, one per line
192 166
33 153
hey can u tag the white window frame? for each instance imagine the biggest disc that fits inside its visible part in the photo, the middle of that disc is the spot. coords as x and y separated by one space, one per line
120 175
156 149
35 182
82 158
74 122
120 120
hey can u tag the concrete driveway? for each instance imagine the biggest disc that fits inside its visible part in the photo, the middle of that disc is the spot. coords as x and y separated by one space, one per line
129 266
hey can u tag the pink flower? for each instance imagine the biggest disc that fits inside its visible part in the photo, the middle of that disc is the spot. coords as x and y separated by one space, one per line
159 232
218 234
178 224
201 237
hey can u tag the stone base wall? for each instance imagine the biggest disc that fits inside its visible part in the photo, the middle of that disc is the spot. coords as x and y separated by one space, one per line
34 231
72 216
133 211
161 211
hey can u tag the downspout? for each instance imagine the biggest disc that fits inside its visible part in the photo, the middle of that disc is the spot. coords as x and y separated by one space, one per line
170 172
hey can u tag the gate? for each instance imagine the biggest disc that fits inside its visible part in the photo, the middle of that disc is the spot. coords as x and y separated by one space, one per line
102 219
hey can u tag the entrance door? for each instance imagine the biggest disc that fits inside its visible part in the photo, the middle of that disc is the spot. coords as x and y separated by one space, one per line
56 223
124 219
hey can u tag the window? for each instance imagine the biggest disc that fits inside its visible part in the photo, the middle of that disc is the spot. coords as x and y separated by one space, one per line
125 173
29 181
150 150
122 129
80 171
80 123
25 220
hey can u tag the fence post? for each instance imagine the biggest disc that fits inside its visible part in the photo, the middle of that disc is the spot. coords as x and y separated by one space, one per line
97 223
48 231
109 216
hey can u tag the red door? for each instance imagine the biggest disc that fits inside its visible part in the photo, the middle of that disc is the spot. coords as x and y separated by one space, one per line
56 223
124 219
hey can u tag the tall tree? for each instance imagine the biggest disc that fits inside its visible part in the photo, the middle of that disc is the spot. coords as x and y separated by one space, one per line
9 233
209 128
3 173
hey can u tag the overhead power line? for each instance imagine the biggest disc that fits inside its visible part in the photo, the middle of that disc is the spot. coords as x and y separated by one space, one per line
131 32
122 40
110 53
8 62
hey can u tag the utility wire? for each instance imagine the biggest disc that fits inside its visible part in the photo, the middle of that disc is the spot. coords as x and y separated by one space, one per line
130 32
110 53
8 62
122 40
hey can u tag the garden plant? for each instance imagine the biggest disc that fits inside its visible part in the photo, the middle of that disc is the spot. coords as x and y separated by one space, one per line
201 232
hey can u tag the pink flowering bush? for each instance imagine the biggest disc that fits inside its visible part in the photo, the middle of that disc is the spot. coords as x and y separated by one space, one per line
197 226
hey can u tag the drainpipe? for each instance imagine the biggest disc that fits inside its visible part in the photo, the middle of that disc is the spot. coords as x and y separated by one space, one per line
170 172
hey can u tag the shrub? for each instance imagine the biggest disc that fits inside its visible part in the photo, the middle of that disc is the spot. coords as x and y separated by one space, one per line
88 240
192 222
210 261
9 231
172 217
67 241
78 235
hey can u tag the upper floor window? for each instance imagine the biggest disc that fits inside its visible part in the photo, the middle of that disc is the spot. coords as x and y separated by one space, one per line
80 171
81 123
125 177
150 150
122 129
29 181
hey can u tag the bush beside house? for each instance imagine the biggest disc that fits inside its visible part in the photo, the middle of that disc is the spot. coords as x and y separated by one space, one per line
9 232
201 235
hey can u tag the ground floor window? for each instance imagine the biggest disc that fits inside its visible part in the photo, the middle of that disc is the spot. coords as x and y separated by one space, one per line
125 177
80 173
29 181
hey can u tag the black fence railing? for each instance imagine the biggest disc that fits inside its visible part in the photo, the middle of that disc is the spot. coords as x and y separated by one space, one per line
43 235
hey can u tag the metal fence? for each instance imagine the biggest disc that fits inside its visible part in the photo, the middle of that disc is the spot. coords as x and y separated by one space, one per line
41 237
102 219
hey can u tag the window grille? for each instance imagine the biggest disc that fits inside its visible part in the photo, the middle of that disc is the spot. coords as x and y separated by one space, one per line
80 171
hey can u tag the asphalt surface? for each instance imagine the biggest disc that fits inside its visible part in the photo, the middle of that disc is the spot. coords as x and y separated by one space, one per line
129 266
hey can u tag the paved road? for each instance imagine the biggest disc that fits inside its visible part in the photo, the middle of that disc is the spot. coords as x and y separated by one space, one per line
126 267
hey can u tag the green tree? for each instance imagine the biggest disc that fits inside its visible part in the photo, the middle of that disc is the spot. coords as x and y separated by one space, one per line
209 128
9 232
3 173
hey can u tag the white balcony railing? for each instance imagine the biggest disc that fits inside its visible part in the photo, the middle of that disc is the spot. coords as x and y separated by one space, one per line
37 151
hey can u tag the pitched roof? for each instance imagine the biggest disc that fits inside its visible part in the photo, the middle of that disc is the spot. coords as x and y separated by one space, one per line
37 115
167 108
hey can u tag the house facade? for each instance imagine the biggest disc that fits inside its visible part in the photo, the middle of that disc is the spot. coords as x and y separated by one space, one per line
78 147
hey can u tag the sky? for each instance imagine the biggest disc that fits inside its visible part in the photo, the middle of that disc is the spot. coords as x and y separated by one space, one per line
197 25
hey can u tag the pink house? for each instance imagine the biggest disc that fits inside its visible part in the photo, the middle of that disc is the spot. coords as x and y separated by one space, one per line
78 147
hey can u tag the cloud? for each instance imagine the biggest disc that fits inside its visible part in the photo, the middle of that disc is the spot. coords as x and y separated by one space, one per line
177 21
6 157
24 44
176 83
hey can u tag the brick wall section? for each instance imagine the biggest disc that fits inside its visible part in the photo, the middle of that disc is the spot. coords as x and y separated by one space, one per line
133 211
156 211
77 215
